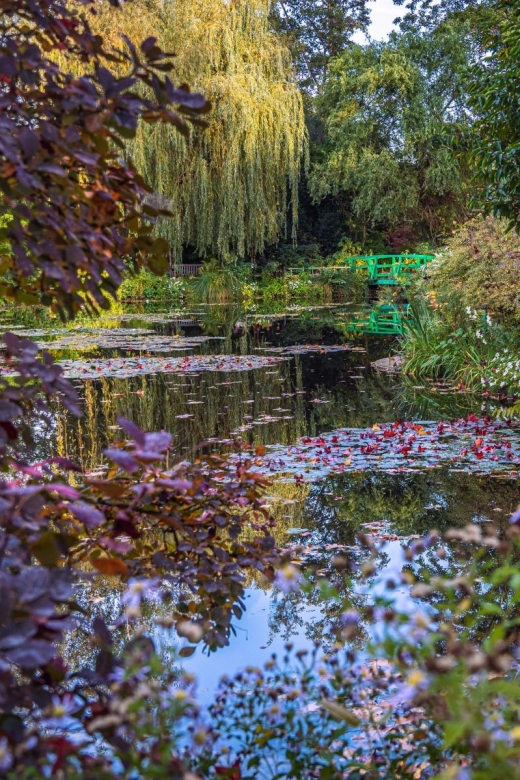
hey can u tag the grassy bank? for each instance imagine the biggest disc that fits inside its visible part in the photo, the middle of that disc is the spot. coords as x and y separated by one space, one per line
226 285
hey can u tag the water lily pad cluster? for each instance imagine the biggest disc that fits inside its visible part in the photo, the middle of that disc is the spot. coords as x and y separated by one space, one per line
304 349
128 367
470 444
160 318
134 340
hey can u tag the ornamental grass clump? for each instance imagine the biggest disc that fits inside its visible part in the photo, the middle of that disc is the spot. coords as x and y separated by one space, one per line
216 283
464 348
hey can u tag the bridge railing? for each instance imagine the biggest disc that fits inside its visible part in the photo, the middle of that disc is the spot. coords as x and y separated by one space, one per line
316 270
388 269
190 269
381 269
383 321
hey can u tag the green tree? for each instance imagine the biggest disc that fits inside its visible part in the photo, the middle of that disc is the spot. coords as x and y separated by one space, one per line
388 110
428 14
240 175
495 144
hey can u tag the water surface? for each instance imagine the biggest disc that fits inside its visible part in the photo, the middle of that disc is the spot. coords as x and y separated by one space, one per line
271 379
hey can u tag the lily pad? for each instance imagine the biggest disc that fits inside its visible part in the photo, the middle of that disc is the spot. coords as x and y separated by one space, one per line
127 367
479 446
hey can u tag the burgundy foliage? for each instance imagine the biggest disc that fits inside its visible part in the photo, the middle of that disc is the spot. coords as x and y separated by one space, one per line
76 211
77 207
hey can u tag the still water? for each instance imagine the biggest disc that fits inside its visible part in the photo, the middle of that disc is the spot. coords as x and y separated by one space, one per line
273 379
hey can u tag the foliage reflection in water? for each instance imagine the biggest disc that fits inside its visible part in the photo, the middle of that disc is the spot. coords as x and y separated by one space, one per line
310 393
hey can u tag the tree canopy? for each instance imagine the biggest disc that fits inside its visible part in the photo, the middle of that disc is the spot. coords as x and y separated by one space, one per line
429 14
388 110
495 142
242 171
317 32
69 243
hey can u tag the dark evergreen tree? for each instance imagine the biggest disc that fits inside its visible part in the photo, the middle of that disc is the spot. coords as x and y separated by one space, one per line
316 31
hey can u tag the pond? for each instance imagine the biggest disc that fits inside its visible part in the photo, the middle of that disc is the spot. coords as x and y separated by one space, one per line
299 387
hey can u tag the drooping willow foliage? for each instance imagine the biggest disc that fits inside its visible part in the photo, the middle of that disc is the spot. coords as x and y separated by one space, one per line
229 187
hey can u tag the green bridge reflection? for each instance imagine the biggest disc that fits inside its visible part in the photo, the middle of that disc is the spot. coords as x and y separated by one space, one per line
386 320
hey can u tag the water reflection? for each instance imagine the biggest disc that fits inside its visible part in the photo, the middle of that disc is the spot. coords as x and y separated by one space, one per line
320 522
305 395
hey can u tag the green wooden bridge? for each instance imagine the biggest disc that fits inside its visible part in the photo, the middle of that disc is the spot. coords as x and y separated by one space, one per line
388 269
381 269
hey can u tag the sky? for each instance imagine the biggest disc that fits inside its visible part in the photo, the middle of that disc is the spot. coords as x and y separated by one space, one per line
383 12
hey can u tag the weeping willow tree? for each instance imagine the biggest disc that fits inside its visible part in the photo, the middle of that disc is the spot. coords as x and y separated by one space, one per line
233 187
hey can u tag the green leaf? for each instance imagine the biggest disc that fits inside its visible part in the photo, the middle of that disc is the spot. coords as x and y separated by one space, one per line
339 712
454 730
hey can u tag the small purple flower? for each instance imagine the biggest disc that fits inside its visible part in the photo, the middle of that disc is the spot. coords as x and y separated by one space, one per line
117 675
496 726
60 711
350 618
6 756
288 578
406 693
515 518
134 593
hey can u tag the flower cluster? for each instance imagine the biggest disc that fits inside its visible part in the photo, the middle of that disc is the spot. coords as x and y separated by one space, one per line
299 285
177 287
503 373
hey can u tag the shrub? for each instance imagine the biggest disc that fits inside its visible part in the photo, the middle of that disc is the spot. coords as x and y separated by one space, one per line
480 268
148 286
216 283
466 349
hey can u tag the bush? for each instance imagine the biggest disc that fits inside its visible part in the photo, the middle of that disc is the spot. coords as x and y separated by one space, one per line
300 287
464 321
148 286
467 349
479 268
216 283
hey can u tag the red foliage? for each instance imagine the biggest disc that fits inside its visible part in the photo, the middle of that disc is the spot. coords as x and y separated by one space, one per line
76 211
